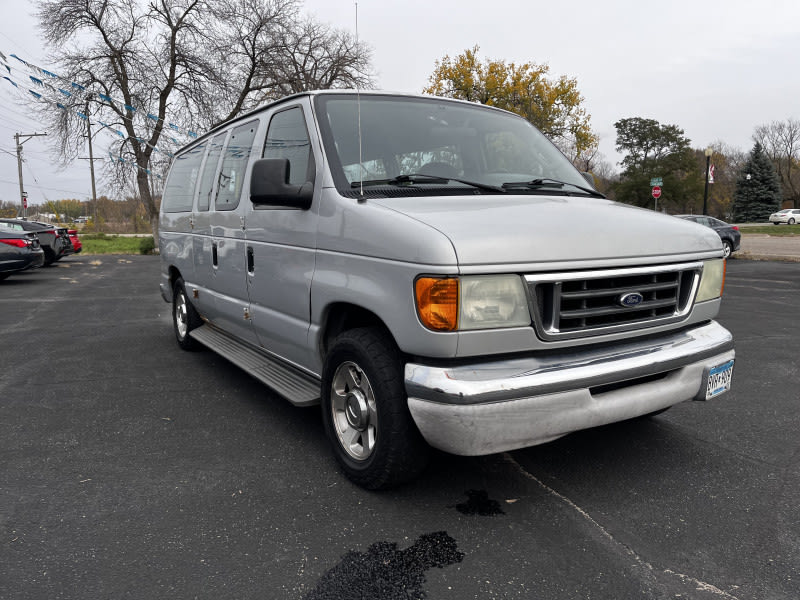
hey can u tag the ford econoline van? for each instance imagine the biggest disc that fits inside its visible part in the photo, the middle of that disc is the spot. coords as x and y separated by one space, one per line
433 273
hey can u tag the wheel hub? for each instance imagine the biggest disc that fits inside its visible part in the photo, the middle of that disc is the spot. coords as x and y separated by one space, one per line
356 410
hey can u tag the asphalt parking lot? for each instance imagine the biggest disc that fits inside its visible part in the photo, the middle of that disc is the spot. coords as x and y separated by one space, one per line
131 469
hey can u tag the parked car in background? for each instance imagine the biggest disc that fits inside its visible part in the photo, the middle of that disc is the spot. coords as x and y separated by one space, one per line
63 233
790 216
77 245
54 240
729 234
19 250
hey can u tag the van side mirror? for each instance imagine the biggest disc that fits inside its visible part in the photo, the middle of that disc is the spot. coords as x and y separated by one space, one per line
269 185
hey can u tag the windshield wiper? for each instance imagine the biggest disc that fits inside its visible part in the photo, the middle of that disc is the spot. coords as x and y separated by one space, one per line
412 178
547 182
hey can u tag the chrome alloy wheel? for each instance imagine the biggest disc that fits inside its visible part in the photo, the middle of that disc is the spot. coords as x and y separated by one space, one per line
181 315
353 409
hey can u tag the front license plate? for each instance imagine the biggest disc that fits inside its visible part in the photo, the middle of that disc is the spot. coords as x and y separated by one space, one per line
719 380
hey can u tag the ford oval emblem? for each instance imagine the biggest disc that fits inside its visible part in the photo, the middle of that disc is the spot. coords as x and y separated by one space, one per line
631 300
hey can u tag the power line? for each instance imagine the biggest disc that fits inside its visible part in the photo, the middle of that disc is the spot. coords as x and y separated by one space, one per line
52 189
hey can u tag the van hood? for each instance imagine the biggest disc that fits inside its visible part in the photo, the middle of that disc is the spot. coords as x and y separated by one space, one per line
524 229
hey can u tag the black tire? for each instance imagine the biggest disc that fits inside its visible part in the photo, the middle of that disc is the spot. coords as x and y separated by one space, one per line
49 256
727 248
184 317
365 411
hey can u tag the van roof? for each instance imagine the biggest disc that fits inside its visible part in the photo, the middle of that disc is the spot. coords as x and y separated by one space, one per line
310 93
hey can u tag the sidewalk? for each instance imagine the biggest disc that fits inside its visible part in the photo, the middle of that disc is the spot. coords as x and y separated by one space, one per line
761 246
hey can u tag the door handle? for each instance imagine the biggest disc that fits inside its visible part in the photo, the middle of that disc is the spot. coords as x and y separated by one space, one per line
251 261
214 257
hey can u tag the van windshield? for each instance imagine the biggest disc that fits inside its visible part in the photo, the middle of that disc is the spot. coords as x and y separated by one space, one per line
429 145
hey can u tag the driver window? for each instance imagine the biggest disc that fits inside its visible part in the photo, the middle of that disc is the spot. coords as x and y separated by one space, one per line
287 137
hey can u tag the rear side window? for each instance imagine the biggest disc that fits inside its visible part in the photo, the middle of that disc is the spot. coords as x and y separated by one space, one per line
287 137
237 155
179 191
209 172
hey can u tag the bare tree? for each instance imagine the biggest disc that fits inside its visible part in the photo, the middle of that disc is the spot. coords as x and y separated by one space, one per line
244 36
276 56
781 142
145 71
313 56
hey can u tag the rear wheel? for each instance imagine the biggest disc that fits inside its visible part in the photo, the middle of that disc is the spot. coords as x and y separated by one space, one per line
726 248
184 317
49 256
365 411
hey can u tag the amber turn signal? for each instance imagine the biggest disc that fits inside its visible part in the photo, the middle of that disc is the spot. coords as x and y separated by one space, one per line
437 302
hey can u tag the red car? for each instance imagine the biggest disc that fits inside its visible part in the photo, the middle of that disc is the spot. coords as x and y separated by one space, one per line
73 237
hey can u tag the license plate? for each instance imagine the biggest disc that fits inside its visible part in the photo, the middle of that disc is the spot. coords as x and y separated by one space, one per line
719 380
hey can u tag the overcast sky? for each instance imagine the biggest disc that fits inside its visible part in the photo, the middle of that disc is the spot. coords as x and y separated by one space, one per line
716 68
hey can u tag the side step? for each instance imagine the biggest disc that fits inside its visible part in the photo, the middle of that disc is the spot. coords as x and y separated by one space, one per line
300 388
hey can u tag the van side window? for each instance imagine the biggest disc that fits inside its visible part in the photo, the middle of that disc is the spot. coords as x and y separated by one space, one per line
287 137
231 176
209 171
179 191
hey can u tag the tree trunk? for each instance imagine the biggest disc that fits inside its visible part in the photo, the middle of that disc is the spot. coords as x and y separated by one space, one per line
143 183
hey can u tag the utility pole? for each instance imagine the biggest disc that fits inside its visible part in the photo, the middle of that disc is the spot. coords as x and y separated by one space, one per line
91 163
22 196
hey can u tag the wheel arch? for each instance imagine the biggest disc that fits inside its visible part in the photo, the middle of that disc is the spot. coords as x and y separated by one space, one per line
344 316
173 274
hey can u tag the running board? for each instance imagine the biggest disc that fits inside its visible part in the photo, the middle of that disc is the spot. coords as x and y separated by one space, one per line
298 387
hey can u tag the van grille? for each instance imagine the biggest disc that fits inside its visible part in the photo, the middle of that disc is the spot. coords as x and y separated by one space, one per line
582 304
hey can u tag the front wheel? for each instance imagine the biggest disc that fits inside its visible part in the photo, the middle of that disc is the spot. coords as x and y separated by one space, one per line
365 411
184 317
791 221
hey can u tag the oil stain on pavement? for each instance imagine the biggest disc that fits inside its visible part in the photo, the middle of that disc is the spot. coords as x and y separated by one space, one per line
479 503
387 573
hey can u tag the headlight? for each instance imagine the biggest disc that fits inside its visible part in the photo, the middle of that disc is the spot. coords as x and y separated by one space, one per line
491 301
474 302
712 281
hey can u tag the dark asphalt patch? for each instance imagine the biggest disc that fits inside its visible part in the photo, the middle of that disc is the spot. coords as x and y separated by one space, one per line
479 503
387 573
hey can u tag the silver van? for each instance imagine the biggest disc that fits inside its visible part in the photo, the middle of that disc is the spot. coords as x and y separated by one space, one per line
433 273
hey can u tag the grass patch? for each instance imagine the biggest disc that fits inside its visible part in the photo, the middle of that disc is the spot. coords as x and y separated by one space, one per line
778 230
101 243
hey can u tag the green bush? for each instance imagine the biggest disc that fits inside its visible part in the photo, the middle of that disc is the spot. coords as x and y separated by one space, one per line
147 245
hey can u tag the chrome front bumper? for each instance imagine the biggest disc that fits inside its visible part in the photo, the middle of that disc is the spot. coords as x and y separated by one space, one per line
492 407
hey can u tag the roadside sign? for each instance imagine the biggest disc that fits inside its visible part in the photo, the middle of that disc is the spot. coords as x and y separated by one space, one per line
656 192
656 182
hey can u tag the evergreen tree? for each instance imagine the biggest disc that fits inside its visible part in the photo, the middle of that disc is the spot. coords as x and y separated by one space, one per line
758 189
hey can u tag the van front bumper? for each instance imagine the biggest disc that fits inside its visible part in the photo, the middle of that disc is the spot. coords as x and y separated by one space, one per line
489 407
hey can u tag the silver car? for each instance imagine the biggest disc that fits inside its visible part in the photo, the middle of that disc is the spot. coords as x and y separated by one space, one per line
433 273
790 216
